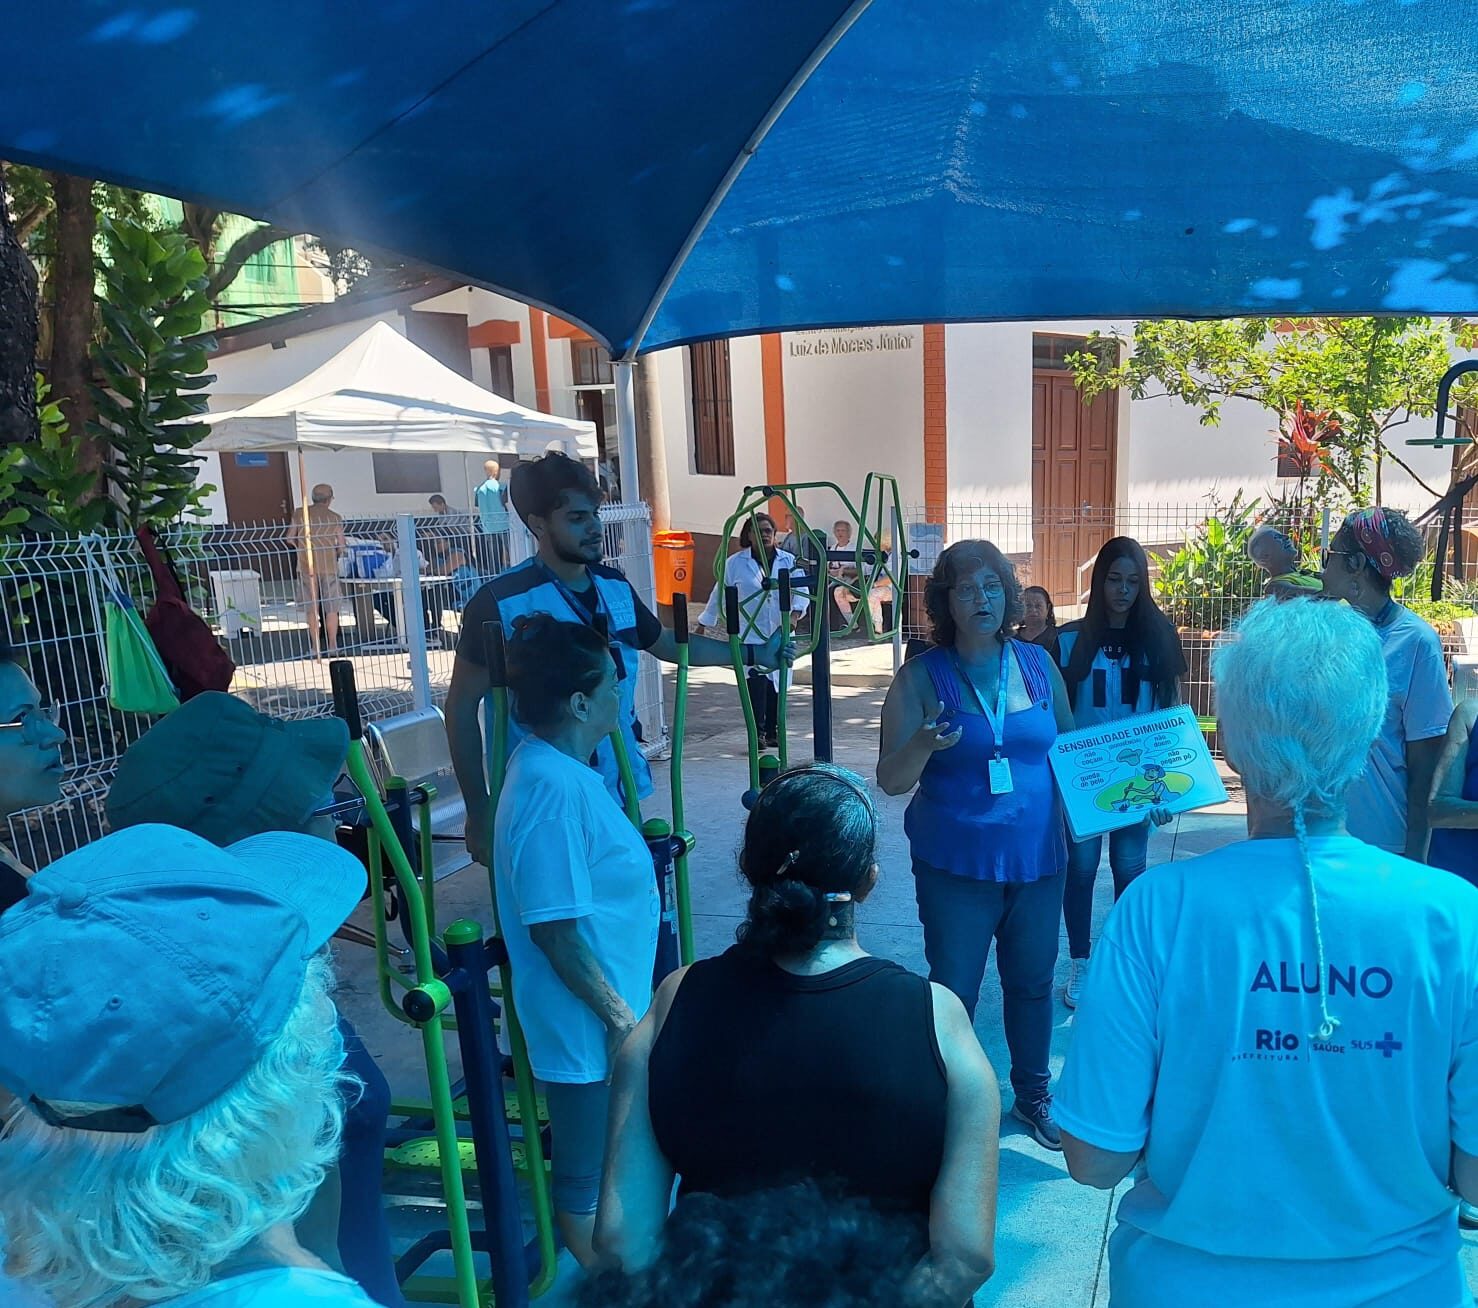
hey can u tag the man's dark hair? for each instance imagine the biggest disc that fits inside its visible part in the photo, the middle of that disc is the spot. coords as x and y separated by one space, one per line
548 661
540 486
787 1248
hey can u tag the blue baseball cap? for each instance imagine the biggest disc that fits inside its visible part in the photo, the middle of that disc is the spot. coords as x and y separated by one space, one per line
148 972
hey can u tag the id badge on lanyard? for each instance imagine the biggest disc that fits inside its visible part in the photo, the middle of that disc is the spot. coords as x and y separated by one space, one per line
583 616
998 768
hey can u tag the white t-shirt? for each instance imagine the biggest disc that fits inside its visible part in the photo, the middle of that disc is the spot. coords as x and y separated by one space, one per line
1100 696
1419 709
1279 1171
563 849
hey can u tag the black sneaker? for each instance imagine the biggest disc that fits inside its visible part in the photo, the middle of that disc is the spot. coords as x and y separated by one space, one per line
1037 1118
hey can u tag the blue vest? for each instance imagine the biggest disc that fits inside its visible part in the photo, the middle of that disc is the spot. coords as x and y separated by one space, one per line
531 588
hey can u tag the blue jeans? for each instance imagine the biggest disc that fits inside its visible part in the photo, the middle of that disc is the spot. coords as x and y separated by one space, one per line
1128 852
961 917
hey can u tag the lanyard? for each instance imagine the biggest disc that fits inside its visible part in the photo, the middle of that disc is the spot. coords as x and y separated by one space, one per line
997 719
584 616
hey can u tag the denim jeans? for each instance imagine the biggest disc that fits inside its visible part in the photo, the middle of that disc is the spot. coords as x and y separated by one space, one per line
1128 852
960 917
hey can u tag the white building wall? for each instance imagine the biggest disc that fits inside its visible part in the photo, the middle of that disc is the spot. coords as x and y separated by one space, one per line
703 502
854 404
988 372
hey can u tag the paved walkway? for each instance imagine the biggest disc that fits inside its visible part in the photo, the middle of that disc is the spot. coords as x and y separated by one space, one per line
1052 1232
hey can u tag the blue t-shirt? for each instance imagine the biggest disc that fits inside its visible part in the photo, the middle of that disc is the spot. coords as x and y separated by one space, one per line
269 1287
1279 1170
491 499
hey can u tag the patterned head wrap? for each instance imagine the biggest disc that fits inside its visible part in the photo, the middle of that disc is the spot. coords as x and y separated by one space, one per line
1371 533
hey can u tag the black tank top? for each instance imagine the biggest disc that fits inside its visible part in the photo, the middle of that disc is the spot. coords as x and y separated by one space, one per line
760 1077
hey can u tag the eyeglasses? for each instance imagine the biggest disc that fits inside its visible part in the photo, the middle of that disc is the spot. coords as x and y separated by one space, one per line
971 593
1349 554
33 722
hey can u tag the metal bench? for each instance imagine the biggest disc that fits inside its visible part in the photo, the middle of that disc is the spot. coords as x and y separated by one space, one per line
414 746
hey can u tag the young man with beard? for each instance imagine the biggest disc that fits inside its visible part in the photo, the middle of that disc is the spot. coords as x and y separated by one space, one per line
559 500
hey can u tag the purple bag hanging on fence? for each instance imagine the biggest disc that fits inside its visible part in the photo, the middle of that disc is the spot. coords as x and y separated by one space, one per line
193 656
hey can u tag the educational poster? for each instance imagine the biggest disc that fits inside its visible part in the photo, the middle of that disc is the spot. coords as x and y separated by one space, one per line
1110 776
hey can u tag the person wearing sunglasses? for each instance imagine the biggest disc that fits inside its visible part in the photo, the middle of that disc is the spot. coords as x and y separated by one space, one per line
31 769
970 723
1388 803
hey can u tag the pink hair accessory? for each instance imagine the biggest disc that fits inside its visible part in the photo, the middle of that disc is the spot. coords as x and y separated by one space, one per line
1369 528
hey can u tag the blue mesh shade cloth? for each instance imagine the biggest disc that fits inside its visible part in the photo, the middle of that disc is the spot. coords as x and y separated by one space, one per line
955 160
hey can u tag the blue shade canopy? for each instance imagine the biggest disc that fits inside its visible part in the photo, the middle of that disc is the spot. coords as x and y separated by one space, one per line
944 160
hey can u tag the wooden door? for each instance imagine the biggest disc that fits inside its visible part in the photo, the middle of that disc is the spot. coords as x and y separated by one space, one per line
257 488
1074 457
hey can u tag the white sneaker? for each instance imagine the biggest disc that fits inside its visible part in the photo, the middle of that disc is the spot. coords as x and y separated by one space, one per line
1077 974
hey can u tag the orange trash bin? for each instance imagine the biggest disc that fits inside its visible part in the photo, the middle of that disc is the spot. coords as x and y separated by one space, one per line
673 553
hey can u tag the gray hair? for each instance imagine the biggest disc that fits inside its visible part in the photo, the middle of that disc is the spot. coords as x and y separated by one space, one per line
91 1217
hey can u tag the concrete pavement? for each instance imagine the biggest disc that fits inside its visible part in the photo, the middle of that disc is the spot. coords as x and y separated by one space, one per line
1052 1233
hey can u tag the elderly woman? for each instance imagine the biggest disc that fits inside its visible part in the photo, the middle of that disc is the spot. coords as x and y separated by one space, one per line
797 1055
30 761
576 898
1280 1034
1122 657
1038 618
1388 802
753 570
969 723
177 1096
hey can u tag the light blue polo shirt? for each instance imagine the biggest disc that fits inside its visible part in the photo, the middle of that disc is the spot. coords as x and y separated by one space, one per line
1278 1170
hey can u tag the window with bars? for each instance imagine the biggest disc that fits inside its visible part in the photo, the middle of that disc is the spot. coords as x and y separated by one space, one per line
713 409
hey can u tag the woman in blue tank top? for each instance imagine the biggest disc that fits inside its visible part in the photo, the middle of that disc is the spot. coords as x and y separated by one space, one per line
1454 808
970 723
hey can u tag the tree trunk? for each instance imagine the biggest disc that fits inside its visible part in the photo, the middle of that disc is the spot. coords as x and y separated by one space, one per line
17 334
650 444
71 284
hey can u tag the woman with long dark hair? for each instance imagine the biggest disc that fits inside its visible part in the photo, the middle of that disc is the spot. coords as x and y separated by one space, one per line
1121 657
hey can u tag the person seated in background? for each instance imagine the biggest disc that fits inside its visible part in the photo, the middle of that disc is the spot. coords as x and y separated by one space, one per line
1453 810
842 595
793 1247
1038 618
795 1054
31 766
1275 553
1282 1035
167 1033
466 580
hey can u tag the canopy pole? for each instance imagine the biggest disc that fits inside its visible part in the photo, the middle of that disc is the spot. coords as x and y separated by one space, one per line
313 614
626 430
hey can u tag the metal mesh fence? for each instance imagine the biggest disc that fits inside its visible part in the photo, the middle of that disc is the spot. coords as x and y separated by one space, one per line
392 607
1199 566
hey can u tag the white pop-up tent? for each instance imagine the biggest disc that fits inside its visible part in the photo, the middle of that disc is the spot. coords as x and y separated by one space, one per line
380 392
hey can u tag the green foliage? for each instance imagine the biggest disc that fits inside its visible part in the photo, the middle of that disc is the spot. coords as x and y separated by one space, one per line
1209 582
54 486
1368 375
1440 613
154 298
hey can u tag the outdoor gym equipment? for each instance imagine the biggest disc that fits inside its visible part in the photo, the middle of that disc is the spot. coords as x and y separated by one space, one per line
445 1151
871 564
1449 508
